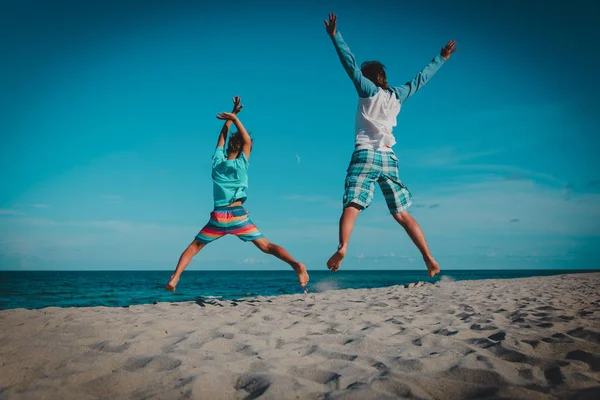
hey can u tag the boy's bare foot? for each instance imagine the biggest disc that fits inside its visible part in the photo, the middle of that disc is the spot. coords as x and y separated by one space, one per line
432 267
302 274
336 260
172 283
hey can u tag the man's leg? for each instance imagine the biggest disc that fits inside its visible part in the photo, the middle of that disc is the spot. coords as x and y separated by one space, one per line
184 261
414 231
397 198
271 248
347 221
359 187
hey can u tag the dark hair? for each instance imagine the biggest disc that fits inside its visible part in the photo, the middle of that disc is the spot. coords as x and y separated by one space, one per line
236 143
375 72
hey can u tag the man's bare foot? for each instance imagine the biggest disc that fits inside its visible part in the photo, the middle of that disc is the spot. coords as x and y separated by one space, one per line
336 260
432 267
172 283
302 274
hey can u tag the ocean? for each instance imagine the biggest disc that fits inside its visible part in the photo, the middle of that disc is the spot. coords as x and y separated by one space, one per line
39 289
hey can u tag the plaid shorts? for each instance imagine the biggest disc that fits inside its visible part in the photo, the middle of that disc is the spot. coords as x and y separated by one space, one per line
229 221
369 166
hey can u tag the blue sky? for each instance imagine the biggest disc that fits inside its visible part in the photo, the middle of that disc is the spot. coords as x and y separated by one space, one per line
108 127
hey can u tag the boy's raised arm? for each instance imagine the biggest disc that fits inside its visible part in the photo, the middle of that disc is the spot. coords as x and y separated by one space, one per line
246 139
237 107
364 87
409 88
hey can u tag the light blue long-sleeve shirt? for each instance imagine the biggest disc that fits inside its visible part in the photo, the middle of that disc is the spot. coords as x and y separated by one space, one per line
366 88
378 108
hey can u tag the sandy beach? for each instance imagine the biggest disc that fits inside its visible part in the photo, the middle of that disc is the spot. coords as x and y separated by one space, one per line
529 338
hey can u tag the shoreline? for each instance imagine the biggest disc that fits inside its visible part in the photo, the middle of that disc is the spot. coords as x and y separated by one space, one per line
69 289
522 338
218 301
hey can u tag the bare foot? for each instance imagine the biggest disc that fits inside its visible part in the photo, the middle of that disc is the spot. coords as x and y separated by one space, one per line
336 260
302 274
172 283
432 267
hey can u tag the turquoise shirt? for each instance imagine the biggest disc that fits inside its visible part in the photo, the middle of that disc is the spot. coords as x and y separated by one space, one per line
230 178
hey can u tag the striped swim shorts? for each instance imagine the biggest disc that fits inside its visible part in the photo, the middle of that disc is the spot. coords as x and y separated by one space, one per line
368 167
229 220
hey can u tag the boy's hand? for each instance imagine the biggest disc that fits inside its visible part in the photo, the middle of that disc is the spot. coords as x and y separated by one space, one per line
237 107
330 26
227 116
448 49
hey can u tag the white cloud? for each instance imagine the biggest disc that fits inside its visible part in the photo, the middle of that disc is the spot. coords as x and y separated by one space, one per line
98 240
9 211
298 157
441 156
487 206
514 173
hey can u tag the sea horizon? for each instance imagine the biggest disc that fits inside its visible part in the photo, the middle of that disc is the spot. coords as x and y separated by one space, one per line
120 288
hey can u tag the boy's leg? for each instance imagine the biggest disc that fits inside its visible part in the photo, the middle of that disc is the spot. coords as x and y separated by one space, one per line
271 248
211 231
414 231
248 232
398 201
347 221
184 261
359 187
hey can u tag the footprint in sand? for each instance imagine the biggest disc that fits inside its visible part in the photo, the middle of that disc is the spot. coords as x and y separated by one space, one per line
512 355
483 327
334 355
255 384
526 374
554 376
533 343
558 338
407 365
382 368
446 331
585 334
590 359
483 343
136 363
110 348
497 336
157 363
323 377
245 350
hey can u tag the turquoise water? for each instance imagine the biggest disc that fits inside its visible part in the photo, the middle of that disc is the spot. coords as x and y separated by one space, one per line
39 289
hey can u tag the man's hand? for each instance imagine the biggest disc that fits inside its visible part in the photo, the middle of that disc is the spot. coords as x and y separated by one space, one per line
227 116
330 26
237 107
448 49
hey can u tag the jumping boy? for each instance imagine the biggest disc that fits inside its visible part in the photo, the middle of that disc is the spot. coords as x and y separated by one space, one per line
373 159
230 181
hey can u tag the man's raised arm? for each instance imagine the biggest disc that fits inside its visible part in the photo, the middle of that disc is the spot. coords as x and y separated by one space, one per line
409 88
364 87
